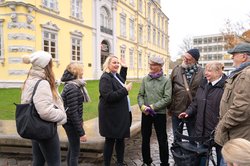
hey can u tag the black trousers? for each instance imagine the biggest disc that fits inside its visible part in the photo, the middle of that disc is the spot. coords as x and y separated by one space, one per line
108 150
159 121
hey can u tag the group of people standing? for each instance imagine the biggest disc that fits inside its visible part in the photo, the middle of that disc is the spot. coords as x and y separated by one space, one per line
206 98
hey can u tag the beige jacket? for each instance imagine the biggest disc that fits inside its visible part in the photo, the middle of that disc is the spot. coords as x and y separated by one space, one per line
235 108
47 107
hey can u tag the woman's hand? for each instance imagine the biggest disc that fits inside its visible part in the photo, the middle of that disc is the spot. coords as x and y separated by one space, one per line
128 86
123 62
83 138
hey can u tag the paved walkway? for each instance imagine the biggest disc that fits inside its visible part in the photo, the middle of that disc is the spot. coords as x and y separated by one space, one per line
132 155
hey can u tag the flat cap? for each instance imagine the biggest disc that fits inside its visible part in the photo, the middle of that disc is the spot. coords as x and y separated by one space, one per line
240 48
156 59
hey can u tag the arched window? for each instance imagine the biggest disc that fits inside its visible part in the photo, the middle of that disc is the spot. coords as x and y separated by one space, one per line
105 18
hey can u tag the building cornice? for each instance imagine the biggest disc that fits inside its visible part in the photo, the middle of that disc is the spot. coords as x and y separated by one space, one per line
30 8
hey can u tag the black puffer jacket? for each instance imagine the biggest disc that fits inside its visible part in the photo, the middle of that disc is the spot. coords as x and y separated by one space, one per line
73 100
206 105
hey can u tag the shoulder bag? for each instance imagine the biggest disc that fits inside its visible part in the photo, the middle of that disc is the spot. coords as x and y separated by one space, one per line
29 124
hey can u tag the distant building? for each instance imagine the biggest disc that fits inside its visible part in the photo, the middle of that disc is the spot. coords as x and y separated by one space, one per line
212 48
84 31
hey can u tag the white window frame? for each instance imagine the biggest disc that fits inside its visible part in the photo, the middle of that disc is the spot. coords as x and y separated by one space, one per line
149 33
166 43
140 60
158 38
131 29
149 11
162 40
76 53
132 2
154 36
76 9
123 24
140 34
106 19
50 41
154 16
1 41
123 51
50 4
131 58
140 5
158 20
162 23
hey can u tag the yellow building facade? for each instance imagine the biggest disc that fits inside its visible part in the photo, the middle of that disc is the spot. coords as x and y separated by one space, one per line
84 31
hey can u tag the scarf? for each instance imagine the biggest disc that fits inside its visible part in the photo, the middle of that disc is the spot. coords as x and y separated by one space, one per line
190 71
241 67
156 75
81 84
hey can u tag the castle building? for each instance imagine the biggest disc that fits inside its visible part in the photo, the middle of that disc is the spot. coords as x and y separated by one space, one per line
84 31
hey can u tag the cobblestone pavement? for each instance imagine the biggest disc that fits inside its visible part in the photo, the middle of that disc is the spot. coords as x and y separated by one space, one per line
132 154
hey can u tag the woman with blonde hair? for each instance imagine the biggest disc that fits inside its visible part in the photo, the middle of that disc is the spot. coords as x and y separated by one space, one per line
236 152
48 103
206 104
74 94
114 109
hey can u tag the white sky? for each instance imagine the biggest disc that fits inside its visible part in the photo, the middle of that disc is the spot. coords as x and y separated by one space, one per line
188 18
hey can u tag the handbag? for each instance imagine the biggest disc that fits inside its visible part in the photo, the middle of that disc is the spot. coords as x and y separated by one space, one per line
29 124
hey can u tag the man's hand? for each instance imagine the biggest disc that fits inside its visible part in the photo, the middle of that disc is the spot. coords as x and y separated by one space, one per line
183 115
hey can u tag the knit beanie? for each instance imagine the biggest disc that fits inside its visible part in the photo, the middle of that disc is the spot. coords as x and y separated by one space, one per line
194 53
38 58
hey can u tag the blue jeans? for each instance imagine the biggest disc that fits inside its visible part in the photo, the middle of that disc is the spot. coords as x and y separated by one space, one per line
108 150
159 121
190 123
74 145
46 150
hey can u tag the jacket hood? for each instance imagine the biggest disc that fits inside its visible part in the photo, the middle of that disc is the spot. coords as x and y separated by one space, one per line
67 76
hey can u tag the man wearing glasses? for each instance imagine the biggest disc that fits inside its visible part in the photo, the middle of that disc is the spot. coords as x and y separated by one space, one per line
186 78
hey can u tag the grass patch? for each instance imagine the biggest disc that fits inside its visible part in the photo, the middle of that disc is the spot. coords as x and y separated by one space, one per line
13 95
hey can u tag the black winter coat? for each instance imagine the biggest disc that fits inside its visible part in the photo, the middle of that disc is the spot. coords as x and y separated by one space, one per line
206 106
114 115
73 100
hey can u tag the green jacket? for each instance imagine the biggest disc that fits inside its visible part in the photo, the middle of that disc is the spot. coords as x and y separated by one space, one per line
156 92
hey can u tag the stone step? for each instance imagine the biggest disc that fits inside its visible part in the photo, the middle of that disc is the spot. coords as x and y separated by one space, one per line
11 142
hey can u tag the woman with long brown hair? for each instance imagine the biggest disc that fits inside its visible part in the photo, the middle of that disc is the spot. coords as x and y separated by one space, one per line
48 103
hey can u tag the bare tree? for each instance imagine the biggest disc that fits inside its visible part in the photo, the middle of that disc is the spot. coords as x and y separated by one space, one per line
235 33
187 44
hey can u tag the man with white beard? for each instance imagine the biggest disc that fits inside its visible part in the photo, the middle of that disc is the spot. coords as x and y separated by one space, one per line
186 78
